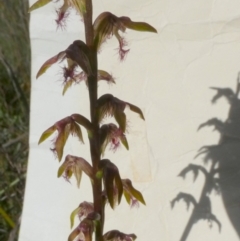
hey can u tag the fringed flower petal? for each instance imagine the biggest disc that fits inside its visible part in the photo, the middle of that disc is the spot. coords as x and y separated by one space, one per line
62 14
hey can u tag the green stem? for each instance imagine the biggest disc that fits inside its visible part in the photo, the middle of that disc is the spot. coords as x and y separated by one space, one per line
94 140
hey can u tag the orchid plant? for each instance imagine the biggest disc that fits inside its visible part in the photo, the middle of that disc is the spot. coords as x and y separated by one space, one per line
107 185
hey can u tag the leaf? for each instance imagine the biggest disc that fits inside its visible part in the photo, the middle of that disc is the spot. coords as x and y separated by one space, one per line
73 214
138 26
39 4
67 85
74 234
80 6
47 133
81 120
76 129
61 141
127 196
135 109
131 191
103 75
50 62
104 26
112 181
77 172
120 117
124 142
109 187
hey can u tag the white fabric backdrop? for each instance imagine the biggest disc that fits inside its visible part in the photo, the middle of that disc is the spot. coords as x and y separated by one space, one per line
168 76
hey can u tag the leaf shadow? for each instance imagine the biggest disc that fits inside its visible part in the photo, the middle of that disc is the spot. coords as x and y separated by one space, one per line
223 176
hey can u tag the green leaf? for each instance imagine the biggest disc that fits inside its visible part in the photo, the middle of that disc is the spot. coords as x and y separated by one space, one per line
47 133
80 6
120 117
83 121
103 75
127 197
39 4
67 85
50 62
119 185
135 109
73 214
138 195
76 129
124 142
61 141
61 169
130 191
109 187
74 234
112 182
138 26
103 27
77 172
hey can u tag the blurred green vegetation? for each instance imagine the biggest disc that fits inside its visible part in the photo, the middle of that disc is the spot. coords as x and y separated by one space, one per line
14 112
